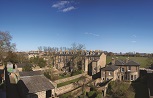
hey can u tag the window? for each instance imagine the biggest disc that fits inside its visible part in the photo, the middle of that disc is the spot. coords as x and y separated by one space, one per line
129 68
103 78
131 77
122 69
135 77
109 73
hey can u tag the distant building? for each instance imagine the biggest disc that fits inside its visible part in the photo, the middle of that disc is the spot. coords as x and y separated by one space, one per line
90 61
35 54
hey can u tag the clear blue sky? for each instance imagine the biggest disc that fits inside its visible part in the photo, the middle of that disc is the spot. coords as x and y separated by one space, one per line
109 25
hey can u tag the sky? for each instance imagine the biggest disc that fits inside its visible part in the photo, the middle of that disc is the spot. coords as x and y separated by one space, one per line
108 25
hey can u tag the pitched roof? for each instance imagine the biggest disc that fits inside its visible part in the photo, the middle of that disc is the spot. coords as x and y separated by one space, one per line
110 68
132 63
119 62
30 73
20 65
37 83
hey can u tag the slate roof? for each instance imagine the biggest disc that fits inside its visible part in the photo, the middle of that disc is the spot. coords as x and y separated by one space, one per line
110 68
129 63
30 73
20 65
37 83
133 63
119 62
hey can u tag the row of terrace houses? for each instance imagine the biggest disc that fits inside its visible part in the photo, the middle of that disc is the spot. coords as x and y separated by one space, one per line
121 70
88 61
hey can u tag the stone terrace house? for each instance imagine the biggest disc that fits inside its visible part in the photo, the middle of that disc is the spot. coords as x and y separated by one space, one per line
90 61
122 70
35 54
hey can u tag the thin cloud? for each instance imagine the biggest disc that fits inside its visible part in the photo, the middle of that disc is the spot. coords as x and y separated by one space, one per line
68 9
64 6
60 4
93 34
133 41
134 36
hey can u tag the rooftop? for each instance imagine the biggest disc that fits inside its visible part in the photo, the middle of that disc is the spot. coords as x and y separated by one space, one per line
30 73
110 68
37 83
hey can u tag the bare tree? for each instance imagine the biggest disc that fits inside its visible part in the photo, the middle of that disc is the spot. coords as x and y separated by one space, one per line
5 44
77 56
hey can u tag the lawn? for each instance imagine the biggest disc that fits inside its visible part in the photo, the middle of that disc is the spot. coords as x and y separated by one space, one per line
141 60
68 82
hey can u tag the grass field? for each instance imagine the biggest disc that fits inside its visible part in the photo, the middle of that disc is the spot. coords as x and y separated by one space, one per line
141 60
68 82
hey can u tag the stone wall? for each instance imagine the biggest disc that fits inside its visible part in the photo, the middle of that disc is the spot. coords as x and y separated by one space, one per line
72 86
69 78
41 94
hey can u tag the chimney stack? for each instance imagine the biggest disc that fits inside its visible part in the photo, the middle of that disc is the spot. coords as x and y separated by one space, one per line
127 59
113 61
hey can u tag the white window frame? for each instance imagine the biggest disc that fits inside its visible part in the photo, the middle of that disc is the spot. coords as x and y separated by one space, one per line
109 73
129 68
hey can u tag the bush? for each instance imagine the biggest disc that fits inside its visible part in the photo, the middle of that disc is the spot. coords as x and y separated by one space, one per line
99 96
91 93
50 76
76 72
27 67
118 89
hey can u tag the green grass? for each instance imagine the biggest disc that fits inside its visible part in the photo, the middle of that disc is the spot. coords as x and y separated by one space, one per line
141 60
68 82
62 76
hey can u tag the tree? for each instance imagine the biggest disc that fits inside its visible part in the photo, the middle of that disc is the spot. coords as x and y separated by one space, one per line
11 57
36 61
110 54
119 89
77 49
22 57
50 74
50 53
150 61
27 67
5 44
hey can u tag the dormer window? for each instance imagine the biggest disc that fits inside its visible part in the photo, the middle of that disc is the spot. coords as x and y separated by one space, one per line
93 53
122 69
87 53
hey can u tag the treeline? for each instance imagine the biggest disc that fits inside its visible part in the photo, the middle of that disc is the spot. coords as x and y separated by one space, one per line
129 54
74 47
